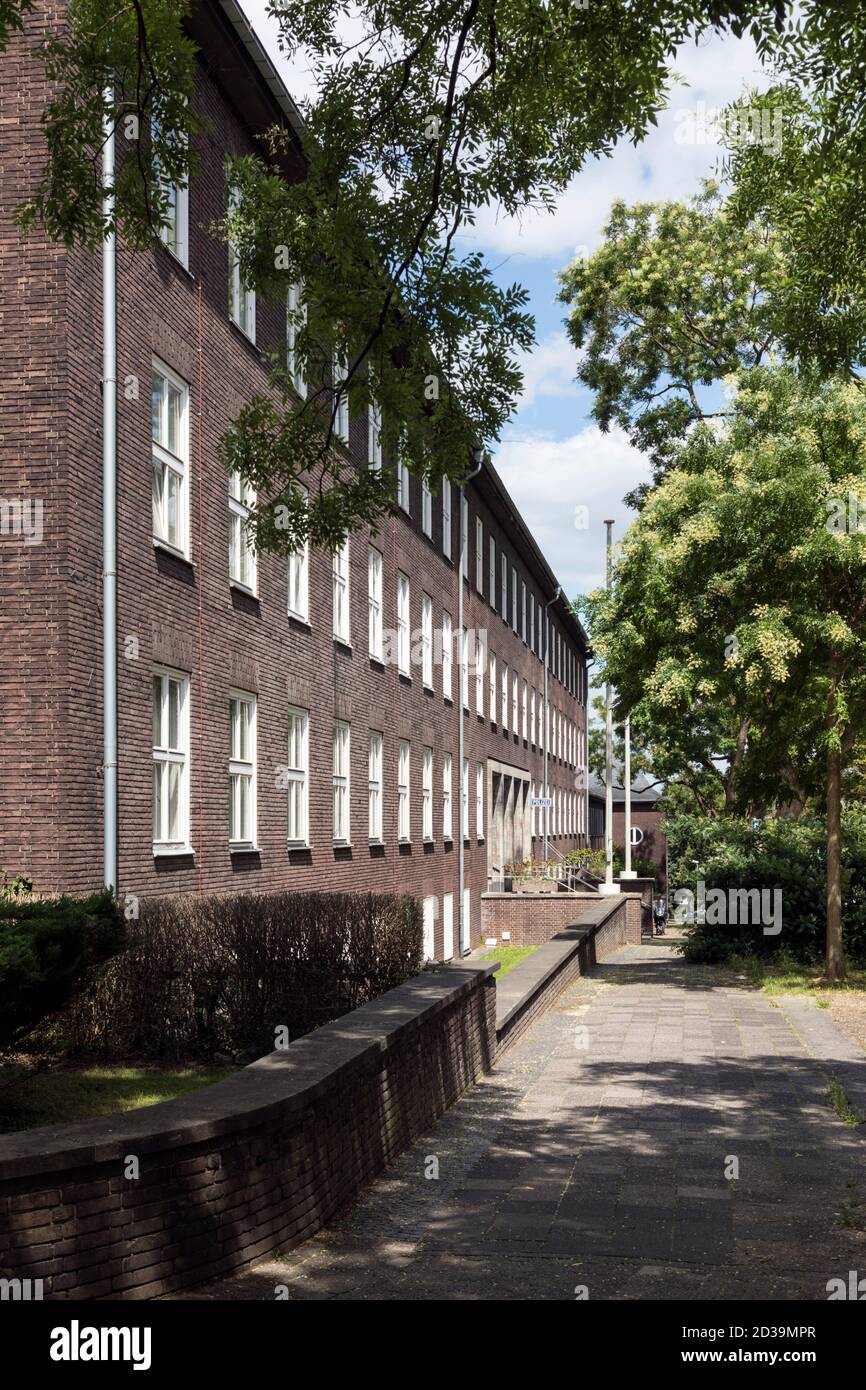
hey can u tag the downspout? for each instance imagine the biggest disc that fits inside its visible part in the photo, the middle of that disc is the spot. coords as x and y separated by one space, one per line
462 826
109 502
546 808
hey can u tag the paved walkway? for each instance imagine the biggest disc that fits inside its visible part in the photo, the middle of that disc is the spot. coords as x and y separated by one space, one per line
595 1156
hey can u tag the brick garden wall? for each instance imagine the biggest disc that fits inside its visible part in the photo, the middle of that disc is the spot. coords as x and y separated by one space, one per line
531 918
263 1160
257 1163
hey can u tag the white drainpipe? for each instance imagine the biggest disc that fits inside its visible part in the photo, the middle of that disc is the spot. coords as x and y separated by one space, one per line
109 507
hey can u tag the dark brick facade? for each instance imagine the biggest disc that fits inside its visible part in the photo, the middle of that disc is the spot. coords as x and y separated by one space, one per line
185 614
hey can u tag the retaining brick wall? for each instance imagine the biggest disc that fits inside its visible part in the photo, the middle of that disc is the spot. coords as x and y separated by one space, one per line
532 986
261 1161
532 918
256 1163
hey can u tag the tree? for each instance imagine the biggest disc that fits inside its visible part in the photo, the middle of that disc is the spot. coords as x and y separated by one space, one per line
429 112
677 298
740 600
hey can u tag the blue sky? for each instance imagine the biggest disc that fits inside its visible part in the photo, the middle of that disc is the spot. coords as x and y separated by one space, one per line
552 457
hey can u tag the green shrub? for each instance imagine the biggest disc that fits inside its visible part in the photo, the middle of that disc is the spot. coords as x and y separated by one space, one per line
218 974
789 855
46 947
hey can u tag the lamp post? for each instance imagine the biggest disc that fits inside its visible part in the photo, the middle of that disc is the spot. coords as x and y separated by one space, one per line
608 886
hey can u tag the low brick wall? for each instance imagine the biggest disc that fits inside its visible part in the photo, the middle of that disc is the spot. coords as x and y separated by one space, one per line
255 1163
263 1160
532 986
531 918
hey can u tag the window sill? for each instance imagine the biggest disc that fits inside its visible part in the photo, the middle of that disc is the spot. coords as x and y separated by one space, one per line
168 549
342 642
401 840
251 342
301 619
404 677
298 844
376 842
181 852
243 589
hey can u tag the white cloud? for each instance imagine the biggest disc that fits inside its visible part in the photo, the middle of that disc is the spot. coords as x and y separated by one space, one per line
661 167
549 369
550 479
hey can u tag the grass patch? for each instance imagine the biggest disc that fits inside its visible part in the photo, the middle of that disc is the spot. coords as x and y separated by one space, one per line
32 1095
842 1105
508 957
784 976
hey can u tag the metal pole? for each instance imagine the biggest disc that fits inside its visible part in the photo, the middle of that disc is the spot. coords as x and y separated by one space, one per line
627 871
109 504
608 886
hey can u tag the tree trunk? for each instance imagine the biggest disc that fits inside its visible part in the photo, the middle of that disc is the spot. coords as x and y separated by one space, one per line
835 958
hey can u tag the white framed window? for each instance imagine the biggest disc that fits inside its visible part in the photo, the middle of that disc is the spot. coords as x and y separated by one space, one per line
242 769
523 610
427 794
296 317
464 792
464 668
174 232
427 641
341 782
447 926
297 775
374 437
242 299
170 448
428 918
447 654
494 695
525 711
242 554
514 598
446 518
374 600
503 593
515 720
479 555
403 625
532 716
531 623
299 579
403 496
374 759
491 578
464 536
447 793
480 665
170 761
340 370
426 508
340 587
479 801
403 810
504 696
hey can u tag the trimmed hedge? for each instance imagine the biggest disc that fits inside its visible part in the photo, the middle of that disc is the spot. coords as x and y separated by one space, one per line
46 946
219 974
786 854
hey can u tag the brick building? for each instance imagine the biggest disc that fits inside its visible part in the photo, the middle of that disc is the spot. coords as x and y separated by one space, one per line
279 725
